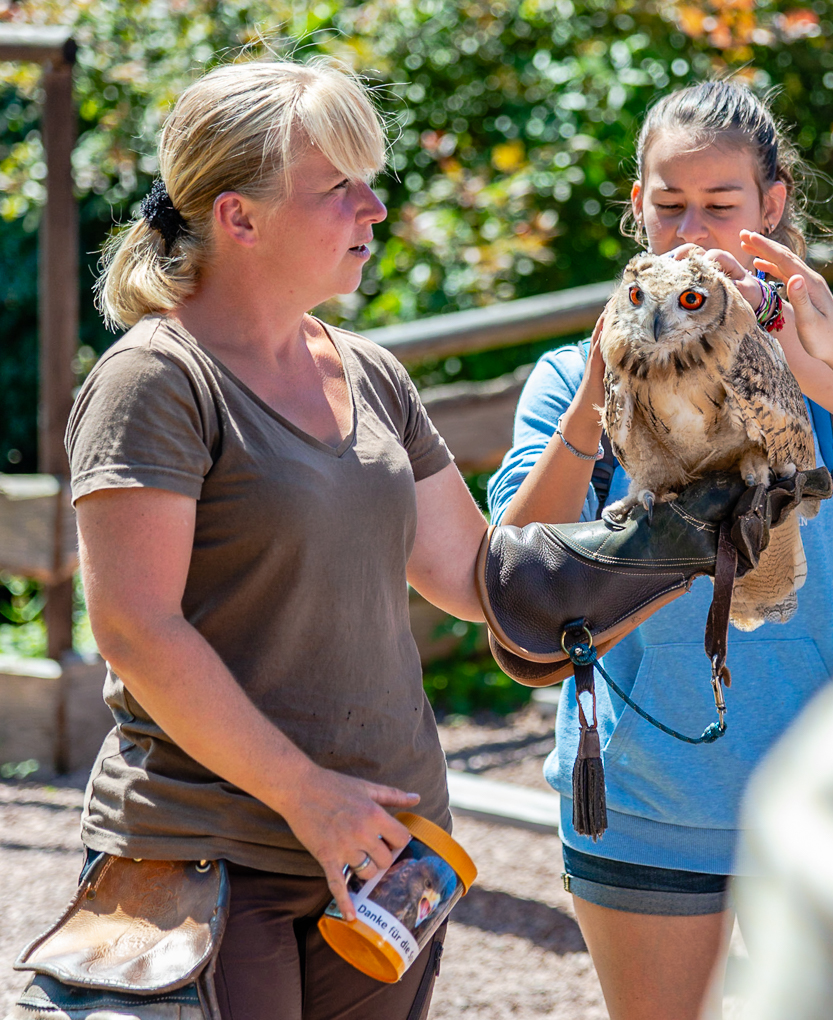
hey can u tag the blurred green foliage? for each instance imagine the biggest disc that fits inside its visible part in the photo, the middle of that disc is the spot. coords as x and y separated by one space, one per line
468 685
512 127
22 629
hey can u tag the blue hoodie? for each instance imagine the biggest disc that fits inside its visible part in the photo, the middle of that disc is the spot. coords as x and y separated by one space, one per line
670 804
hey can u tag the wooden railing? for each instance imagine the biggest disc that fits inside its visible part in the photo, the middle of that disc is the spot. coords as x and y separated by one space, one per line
476 418
499 325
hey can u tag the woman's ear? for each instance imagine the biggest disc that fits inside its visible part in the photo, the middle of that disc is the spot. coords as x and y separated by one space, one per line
233 215
773 206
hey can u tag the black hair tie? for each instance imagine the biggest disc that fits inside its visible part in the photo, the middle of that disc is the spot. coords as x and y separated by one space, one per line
162 215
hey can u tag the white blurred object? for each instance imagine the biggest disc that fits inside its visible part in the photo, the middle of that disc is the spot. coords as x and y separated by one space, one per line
787 913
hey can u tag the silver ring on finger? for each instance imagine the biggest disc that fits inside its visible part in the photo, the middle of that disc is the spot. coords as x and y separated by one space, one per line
368 860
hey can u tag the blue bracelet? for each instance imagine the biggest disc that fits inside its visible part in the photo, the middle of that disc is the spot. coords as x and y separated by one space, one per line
577 453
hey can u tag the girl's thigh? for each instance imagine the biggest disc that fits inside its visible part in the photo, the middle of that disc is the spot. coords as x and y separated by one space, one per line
274 965
655 967
658 937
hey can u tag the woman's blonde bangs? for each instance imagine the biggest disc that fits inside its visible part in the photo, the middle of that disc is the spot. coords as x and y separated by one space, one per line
340 120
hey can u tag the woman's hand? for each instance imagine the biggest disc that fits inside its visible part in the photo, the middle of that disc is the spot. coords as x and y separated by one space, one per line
342 820
807 291
591 392
556 488
745 282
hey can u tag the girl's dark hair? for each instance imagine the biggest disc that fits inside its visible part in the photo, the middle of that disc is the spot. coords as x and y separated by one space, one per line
728 111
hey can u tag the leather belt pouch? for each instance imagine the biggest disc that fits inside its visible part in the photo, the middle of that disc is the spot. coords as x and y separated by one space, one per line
138 927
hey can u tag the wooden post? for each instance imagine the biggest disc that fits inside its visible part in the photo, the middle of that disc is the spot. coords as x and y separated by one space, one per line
53 47
58 308
58 271
58 313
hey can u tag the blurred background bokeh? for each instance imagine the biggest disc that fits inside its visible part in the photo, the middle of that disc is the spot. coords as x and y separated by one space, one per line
512 129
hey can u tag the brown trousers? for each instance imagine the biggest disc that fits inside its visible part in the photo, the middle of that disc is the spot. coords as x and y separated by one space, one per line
274 964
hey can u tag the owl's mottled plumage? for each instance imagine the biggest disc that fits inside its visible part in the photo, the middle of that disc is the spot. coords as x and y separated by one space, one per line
690 390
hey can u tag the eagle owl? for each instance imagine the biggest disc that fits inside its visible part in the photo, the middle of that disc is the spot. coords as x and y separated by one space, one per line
694 385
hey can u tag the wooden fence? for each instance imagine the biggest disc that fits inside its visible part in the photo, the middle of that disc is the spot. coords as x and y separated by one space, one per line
476 418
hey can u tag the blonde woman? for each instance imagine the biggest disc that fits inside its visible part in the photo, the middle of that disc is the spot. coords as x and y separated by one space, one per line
254 489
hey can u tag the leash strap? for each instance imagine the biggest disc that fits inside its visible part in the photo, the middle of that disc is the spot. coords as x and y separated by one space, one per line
717 623
583 654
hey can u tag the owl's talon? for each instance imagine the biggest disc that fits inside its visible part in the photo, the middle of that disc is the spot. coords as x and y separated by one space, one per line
646 498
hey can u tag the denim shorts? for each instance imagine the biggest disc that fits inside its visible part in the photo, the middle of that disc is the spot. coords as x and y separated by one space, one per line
639 889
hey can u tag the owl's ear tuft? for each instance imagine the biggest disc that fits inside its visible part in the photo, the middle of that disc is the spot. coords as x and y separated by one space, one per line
638 264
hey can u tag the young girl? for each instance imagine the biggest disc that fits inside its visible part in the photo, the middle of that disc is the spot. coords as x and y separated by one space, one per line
650 895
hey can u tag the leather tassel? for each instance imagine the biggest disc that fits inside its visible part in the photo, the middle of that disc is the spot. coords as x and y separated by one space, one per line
589 800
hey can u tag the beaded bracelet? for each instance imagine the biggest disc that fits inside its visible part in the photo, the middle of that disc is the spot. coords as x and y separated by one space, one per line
598 455
769 312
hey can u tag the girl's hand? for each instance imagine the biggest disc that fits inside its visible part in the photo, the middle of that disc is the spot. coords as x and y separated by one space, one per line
556 487
745 282
591 392
807 291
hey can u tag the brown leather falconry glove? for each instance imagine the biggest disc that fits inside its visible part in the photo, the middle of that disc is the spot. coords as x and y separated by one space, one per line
612 575
557 597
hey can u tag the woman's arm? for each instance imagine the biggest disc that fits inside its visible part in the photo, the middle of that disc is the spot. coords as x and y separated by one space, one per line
135 549
810 298
555 489
450 528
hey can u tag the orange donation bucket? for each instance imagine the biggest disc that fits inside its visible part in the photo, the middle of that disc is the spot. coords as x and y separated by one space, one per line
400 909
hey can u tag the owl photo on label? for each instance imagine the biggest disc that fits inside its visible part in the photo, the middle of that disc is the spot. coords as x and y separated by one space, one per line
694 385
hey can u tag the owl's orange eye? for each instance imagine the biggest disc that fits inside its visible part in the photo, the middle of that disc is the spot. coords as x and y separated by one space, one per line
636 296
691 300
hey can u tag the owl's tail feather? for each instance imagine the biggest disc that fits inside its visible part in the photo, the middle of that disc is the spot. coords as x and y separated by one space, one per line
767 593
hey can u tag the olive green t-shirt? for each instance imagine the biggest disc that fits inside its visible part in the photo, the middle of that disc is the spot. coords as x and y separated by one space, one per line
297 580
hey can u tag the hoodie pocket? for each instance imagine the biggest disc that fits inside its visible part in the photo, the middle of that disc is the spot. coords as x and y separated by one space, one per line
656 776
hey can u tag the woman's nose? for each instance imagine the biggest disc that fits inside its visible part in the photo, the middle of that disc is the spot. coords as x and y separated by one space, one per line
372 209
691 228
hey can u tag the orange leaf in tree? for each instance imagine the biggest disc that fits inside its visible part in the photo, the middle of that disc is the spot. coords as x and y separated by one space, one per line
798 23
691 20
734 5
721 35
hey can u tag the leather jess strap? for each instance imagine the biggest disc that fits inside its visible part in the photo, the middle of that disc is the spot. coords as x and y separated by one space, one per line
717 623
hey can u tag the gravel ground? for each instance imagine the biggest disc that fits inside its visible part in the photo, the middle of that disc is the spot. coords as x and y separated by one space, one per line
514 949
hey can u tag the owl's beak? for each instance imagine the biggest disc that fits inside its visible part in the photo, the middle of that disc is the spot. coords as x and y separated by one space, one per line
659 325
